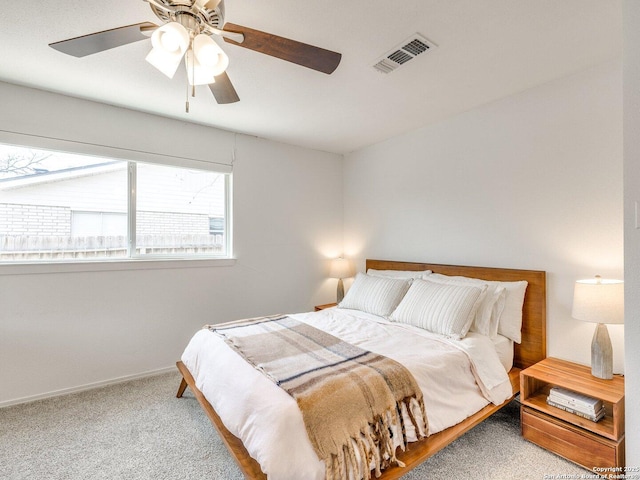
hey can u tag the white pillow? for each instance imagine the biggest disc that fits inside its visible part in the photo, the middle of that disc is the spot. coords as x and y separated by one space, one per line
487 316
442 308
510 324
496 312
376 295
398 273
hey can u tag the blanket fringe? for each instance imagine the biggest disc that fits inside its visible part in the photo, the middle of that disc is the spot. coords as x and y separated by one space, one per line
375 445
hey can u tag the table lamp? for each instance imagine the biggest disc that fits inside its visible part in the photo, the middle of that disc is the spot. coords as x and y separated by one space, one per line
600 301
340 268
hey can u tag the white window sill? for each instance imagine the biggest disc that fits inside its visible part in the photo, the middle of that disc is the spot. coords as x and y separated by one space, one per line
31 268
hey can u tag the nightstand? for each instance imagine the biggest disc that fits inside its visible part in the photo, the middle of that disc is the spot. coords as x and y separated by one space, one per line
326 305
593 445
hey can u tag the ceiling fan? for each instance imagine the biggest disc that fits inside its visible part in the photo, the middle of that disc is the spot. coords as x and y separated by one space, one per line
186 32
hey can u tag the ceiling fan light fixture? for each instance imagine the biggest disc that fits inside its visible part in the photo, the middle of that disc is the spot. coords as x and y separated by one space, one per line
199 74
209 54
165 62
169 43
171 38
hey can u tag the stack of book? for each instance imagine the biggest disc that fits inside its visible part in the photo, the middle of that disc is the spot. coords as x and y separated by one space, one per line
576 403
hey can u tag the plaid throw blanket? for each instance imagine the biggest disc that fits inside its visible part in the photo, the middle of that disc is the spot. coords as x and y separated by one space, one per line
349 398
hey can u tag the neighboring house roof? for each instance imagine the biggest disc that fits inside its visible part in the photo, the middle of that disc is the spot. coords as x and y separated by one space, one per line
44 176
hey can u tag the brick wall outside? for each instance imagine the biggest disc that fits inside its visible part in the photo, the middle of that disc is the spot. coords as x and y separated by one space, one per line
40 220
167 223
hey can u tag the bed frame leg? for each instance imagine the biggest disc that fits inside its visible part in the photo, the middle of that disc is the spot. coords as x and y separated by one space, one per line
181 388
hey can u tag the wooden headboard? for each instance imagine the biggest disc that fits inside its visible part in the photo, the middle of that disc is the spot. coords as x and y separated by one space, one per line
534 315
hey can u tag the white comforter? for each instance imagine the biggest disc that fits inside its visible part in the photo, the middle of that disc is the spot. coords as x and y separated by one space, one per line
457 378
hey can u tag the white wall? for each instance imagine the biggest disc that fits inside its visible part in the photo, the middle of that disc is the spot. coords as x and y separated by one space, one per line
68 329
532 181
631 16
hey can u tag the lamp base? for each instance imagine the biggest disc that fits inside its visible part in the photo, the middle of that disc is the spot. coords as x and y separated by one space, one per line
601 353
340 292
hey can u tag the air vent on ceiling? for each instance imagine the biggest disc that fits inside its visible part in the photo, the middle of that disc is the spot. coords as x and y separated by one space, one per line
408 50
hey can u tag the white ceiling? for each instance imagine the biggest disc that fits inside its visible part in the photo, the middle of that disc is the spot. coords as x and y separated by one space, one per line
487 49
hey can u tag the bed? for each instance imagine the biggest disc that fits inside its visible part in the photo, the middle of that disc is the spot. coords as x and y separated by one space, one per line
531 349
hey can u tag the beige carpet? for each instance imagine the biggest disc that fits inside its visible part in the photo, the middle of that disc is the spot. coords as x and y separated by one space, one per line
139 430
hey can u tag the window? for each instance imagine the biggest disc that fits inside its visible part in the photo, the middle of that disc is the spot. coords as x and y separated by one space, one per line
96 224
59 206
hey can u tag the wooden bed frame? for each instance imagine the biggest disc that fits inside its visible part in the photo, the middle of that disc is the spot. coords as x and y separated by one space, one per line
532 349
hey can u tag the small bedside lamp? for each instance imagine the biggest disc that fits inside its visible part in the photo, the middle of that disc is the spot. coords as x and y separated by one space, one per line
340 268
600 301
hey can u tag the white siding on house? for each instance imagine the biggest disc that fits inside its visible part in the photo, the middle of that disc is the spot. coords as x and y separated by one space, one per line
105 192
167 189
160 189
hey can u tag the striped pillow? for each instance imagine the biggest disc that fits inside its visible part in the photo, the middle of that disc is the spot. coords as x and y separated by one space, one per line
376 295
486 318
446 309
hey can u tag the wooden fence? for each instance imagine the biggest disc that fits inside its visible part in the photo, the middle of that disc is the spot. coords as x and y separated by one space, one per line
26 247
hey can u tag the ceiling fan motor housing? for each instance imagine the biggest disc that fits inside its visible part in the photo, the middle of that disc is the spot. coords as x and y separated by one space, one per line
192 14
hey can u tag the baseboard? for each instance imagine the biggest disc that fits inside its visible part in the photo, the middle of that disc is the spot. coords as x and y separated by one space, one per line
88 386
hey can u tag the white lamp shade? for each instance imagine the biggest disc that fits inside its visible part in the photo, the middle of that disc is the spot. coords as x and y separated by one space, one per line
166 63
196 73
209 53
341 268
599 301
171 38
169 44
206 61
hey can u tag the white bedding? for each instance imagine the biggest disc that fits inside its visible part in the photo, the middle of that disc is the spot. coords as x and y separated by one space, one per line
504 349
457 379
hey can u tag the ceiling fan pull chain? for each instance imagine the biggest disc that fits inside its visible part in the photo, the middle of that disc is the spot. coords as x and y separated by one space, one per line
193 70
186 103
186 65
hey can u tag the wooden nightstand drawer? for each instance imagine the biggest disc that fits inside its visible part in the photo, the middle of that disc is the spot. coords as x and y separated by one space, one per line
571 442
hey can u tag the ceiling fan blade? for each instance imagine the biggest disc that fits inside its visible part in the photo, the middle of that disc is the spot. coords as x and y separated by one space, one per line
100 41
223 89
299 53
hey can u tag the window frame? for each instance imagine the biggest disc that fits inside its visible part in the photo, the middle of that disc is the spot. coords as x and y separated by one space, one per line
132 169
134 260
